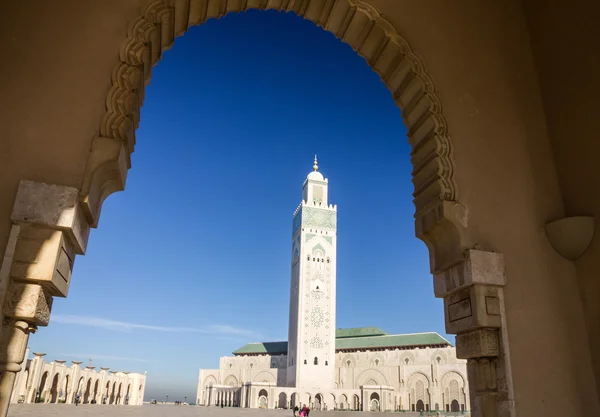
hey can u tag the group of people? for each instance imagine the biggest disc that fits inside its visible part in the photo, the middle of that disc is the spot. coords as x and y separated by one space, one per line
304 412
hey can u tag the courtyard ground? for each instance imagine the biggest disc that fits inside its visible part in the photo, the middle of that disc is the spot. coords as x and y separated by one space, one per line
88 410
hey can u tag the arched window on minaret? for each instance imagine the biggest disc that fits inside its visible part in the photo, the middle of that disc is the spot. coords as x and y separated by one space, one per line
316 360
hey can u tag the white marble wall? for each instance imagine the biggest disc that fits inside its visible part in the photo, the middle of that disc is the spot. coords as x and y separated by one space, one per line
397 379
53 382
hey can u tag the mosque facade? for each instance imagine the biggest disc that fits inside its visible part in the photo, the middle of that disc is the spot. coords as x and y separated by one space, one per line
40 381
322 366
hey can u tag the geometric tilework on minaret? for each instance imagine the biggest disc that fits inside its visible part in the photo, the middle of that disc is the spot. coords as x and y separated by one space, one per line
312 325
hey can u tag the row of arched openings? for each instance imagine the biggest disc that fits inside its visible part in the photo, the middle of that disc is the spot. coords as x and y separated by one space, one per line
113 393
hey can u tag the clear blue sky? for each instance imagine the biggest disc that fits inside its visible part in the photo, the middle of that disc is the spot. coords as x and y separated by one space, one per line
192 261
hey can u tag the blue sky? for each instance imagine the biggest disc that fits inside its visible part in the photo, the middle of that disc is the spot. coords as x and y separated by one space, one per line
192 261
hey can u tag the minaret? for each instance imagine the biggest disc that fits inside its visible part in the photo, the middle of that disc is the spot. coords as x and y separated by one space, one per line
311 341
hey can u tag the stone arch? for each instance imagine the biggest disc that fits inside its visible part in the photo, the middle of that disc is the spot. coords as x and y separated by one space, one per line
118 399
453 375
264 376
113 393
85 394
96 387
42 386
319 401
66 391
343 402
453 387
374 402
439 217
294 400
282 400
418 375
263 399
209 381
371 374
231 381
418 391
54 388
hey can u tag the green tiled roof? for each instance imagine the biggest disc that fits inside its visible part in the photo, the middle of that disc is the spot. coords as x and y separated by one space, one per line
266 347
391 341
361 341
359 332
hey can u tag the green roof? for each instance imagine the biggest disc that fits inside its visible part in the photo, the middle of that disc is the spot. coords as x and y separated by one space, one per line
266 347
362 340
390 341
359 332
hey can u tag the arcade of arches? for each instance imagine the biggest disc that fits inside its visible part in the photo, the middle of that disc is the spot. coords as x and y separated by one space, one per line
54 382
500 102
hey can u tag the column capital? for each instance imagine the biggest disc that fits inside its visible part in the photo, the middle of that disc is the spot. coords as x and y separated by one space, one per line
28 302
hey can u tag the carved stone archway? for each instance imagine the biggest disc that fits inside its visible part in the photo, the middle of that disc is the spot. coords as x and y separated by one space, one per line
53 221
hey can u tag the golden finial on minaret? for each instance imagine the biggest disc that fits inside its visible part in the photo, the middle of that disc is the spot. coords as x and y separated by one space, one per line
315 166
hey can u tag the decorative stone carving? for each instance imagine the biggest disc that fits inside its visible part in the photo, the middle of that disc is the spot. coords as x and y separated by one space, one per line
28 302
358 24
321 218
482 375
478 343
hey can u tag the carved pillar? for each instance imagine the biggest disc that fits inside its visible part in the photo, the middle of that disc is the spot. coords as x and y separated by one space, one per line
13 340
474 311
48 230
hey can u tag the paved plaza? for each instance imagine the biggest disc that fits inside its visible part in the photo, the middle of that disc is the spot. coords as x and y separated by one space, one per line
88 410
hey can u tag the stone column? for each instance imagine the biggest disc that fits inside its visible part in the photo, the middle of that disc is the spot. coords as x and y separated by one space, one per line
474 311
48 230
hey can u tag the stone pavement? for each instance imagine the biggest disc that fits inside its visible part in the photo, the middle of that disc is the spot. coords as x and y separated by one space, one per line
89 410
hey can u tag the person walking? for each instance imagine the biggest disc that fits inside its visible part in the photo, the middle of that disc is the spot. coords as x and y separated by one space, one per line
295 410
77 400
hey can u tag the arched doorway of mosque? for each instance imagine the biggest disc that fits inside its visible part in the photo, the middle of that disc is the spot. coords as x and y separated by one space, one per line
263 399
374 401
282 400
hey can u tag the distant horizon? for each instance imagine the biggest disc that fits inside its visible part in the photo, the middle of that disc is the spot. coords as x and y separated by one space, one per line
192 260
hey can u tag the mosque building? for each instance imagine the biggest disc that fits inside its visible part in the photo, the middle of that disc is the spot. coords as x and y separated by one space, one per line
328 368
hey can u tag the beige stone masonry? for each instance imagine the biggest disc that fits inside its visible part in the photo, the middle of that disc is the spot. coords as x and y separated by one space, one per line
474 311
52 231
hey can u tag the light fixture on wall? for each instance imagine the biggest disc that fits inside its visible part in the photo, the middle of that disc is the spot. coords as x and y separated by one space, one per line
571 236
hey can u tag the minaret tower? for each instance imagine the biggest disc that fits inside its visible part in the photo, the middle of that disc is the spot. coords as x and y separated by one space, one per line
311 341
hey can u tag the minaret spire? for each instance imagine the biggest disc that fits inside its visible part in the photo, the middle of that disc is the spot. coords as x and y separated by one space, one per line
315 166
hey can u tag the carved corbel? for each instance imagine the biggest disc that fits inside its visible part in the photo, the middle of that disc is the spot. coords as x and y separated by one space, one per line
442 226
52 230
107 172
473 304
28 302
